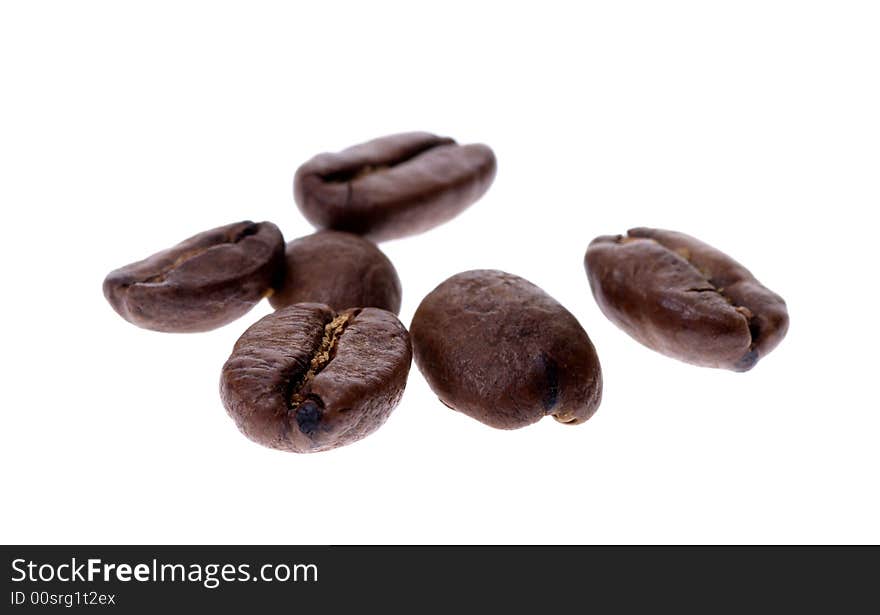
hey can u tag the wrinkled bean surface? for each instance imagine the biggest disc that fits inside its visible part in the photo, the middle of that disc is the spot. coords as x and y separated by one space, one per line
340 270
201 283
393 186
307 378
683 298
499 349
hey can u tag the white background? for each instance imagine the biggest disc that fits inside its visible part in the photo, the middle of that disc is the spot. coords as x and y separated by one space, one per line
755 126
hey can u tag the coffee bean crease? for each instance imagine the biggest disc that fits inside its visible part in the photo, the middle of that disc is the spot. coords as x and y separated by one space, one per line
322 355
162 273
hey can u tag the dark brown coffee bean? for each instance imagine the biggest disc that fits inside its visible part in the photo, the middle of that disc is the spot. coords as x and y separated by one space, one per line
307 378
499 349
340 270
681 297
393 186
201 283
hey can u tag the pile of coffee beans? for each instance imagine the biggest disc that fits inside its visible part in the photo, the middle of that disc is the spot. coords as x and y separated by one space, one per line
330 364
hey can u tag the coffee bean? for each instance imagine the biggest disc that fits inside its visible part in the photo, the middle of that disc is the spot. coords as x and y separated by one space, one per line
307 378
201 283
393 186
340 270
499 349
685 299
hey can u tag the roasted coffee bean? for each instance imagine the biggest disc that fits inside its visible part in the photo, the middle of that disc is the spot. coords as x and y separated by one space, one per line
201 283
684 298
393 186
499 349
306 378
340 270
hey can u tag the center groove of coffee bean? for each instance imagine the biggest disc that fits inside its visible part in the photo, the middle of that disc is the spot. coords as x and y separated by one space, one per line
350 175
159 276
322 356
370 168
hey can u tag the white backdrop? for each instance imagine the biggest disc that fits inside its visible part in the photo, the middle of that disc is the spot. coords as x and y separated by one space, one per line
125 128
